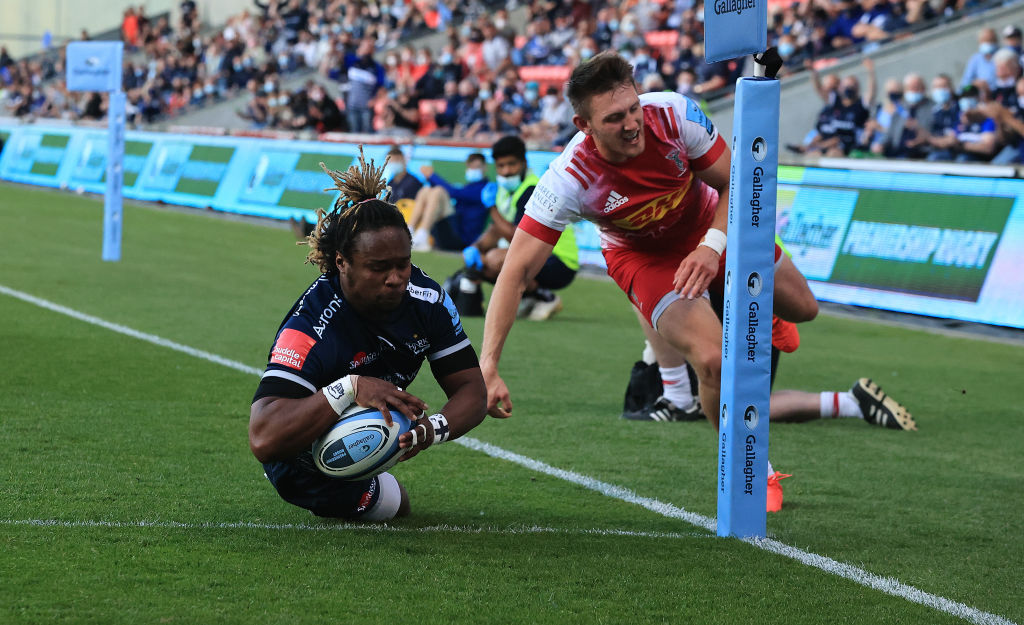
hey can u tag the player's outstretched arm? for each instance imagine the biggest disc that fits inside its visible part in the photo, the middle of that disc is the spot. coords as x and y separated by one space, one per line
280 427
700 266
465 409
526 255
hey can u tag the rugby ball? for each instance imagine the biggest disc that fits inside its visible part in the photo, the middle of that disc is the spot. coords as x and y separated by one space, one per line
360 444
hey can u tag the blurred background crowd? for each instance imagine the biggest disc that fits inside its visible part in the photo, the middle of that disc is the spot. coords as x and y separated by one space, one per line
480 69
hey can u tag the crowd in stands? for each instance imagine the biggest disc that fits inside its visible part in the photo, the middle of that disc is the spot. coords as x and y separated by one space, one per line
978 118
360 68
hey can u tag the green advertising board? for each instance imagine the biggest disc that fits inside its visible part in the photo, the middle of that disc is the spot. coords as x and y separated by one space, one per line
925 243
304 187
203 171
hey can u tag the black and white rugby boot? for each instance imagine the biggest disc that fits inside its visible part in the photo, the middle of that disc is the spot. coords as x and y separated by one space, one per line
879 408
664 410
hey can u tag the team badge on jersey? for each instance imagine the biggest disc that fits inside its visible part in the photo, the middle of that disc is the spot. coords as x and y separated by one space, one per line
678 160
291 348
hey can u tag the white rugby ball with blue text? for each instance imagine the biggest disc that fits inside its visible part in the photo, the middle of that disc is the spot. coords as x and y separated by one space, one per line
360 444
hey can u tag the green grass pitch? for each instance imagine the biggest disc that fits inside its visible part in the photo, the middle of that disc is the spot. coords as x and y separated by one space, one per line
130 496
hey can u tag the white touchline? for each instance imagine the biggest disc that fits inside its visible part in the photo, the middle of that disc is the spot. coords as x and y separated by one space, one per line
360 527
887 585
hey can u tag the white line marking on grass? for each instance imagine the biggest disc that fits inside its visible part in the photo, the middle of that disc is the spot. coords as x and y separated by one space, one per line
887 585
120 329
356 527
608 490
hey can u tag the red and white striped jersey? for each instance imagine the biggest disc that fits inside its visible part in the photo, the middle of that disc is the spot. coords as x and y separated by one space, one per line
640 202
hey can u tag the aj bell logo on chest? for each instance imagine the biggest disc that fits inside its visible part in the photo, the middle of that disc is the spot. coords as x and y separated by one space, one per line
614 201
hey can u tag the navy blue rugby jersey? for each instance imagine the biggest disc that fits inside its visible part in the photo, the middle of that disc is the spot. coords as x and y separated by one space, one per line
322 339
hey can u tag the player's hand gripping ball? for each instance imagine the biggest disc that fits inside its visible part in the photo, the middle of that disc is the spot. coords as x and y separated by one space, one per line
360 444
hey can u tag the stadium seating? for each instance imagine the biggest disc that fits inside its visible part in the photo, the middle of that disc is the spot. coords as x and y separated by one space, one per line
545 75
662 40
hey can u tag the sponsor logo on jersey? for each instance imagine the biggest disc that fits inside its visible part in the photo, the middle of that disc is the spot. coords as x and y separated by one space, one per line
653 211
696 115
419 346
426 295
361 359
367 498
615 200
326 316
544 200
291 348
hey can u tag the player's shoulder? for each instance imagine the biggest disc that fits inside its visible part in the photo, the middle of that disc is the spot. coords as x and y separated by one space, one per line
573 149
663 98
431 298
319 295
675 113
317 310
423 289
575 169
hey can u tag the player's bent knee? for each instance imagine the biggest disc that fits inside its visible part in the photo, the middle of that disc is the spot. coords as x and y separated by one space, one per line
811 309
707 363
800 309
392 501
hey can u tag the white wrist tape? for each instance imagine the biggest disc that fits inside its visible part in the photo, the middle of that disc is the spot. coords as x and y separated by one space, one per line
715 239
440 426
341 393
441 431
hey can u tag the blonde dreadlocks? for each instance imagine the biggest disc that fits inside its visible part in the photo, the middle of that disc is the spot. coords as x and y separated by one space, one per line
360 207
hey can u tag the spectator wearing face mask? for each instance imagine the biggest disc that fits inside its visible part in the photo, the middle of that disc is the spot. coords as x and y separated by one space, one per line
907 136
606 27
1007 65
451 67
494 48
454 215
945 117
981 64
975 137
628 35
1009 118
322 113
791 53
475 117
555 120
644 64
685 82
892 107
1012 41
431 84
486 256
404 186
